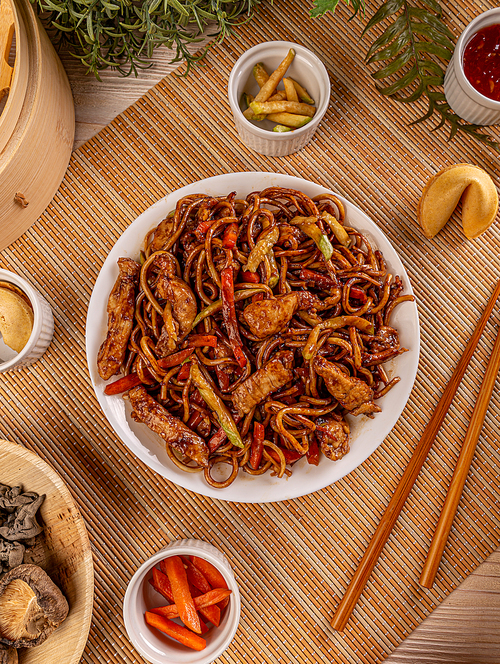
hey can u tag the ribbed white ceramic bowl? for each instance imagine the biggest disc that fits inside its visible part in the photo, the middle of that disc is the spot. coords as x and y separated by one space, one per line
306 68
465 100
43 325
158 648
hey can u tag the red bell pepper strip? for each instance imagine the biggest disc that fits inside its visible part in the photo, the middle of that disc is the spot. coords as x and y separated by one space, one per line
250 277
176 358
122 384
175 631
217 439
290 455
182 597
212 575
220 436
230 236
316 278
161 584
313 453
184 372
201 601
194 419
229 315
223 378
203 227
257 446
200 340
357 294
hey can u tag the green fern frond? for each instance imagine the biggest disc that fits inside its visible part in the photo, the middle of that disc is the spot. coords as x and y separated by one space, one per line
407 68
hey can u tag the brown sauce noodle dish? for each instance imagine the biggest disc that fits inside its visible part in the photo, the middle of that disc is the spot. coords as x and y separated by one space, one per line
250 329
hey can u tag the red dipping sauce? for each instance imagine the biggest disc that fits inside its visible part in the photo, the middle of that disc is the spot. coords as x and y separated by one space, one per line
481 61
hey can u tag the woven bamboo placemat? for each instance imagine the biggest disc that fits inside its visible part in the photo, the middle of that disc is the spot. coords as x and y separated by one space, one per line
293 560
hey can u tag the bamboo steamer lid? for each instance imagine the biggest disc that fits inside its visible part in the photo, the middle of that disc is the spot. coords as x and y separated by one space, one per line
37 124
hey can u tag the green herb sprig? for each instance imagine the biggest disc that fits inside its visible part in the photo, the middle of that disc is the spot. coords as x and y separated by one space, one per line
409 54
124 33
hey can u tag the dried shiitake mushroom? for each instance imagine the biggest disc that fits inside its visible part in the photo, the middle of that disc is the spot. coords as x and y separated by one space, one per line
31 607
8 655
11 555
21 523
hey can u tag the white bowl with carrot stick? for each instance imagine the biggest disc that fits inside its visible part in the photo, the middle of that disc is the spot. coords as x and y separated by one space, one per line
279 92
182 606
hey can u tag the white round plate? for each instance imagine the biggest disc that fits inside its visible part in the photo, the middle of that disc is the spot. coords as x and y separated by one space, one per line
367 434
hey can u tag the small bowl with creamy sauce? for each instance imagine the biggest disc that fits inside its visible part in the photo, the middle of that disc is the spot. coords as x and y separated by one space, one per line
472 81
26 322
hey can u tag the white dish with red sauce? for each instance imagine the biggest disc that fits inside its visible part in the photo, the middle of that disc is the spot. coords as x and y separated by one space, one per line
467 101
366 434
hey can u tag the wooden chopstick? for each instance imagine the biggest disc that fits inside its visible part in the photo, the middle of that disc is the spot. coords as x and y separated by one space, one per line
462 470
407 481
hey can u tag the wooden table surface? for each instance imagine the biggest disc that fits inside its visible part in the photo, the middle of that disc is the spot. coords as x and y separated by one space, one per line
466 626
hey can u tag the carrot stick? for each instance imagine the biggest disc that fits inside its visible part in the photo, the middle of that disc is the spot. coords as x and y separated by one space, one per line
177 632
212 575
162 585
196 578
180 588
202 601
210 613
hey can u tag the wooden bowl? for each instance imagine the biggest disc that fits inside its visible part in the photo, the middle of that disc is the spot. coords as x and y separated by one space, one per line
37 127
63 551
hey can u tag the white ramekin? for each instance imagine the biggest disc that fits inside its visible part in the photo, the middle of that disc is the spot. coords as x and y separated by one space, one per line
465 100
306 68
140 596
43 325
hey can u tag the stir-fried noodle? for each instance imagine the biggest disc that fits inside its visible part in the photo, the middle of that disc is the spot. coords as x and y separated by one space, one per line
259 324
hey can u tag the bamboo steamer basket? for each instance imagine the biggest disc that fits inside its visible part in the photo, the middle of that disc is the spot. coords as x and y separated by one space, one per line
37 125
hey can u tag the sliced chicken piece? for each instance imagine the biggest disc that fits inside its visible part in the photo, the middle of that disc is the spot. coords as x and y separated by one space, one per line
163 233
121 305
174 432
333 437
352 393
275 374
386 337
270 316
182 310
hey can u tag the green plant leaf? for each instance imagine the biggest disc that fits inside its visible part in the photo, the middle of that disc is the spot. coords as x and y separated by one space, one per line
388 9
320 7
395 65
124 33
393 31
406 54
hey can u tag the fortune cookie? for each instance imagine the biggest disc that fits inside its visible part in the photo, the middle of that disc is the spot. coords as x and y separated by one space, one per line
442 193
16 319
